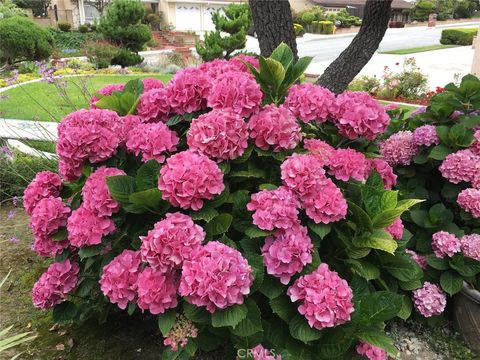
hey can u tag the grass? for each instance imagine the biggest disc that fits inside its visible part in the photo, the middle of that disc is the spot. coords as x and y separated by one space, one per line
409 108
42 101
417 49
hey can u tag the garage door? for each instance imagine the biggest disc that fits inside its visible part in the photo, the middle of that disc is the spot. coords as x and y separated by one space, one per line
207 17
188 17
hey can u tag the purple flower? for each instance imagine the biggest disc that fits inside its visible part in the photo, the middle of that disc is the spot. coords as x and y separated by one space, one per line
14 239
13 79
14 201
11 214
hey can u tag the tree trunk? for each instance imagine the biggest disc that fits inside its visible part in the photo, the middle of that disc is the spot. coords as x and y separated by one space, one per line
352 60
273 24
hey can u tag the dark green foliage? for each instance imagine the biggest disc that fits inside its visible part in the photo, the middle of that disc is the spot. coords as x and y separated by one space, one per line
39 7
99 53
123 26
16 174
83 28
458 36
64 26
126 58
234 20
465 9
21 40
422 10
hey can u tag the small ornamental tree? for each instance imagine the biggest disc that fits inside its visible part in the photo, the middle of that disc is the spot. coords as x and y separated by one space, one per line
21 39
122 25
234 20
436 154
242 210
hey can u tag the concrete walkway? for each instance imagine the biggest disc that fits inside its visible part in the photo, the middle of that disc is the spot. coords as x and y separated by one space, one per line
14 129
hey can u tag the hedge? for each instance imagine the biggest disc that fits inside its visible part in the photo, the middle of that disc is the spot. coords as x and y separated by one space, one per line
458 36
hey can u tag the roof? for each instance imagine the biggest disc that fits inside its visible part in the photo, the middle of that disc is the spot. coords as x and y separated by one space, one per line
396 4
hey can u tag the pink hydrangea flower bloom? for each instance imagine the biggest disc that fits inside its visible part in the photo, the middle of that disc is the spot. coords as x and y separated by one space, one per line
310 102
460 166
157 291
55 284
236 91
421 260
237 61
188 178
384 170
390 107
129 122
48 217
92 135
396 229
216 276
325 298
348 163
260 353
274 127
321 149
325 204
445 244
151 83
216 68
218 134
45 246
469 200
426 135
301 173
171 242
358 114
154 105
152 141
371 352
188 90
274 209
471 246
95 193
70 170
429 300
475 148
119 278
105 91
399 149
286 252
85 228
45 184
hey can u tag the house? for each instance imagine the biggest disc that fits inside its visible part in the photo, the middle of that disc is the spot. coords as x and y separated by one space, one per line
400 8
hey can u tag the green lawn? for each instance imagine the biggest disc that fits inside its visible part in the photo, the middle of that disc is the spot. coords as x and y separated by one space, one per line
42 101
417 49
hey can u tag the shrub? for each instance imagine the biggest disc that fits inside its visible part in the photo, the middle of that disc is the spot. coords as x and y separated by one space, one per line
234 20
154 21
369 84
443 169
64 26
458 36
327 27
122 24
244 247
23 40
299 30
308 17
10 9
422 10
83 29
126 58
99 53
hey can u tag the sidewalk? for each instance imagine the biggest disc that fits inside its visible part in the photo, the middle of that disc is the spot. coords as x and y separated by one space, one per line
441 66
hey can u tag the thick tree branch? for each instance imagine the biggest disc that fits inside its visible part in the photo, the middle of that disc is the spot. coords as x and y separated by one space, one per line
273 24
352 60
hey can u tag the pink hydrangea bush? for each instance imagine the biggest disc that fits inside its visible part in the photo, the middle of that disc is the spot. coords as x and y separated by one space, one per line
260 353
55 284
171 242
399 149
220 135
287 251
421 260
445 244
429 300
188 178
469 200
358 114
45 185
371 352
274 127
119 280
396 229
426 135
471 246
311 103
460 166
218 200
216 277
325 298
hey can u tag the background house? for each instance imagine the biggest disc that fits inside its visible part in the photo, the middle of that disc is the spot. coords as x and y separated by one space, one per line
400 8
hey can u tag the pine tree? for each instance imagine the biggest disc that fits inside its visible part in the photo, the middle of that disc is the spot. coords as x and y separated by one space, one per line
234 20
